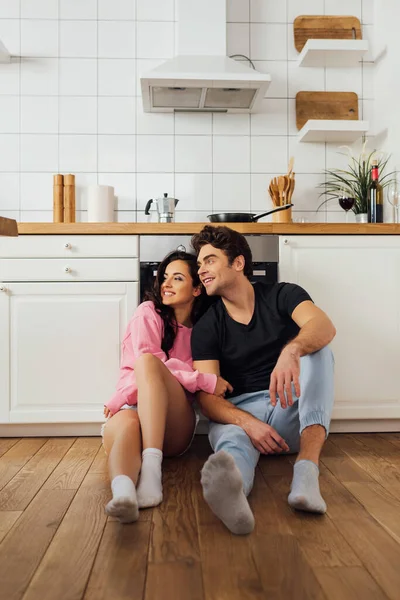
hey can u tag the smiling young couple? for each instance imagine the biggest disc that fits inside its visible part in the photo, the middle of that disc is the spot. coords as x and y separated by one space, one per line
258 357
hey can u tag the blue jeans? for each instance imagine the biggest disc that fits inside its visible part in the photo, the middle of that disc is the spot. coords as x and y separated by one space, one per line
314 407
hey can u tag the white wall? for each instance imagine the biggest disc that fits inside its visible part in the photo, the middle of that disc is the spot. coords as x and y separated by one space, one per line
387 81
72 104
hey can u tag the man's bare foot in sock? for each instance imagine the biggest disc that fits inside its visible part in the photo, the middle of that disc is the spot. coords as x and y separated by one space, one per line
223 491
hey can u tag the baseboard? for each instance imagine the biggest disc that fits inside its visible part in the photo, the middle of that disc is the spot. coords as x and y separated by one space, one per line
93 429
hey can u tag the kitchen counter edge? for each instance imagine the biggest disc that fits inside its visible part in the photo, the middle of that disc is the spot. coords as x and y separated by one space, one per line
190 228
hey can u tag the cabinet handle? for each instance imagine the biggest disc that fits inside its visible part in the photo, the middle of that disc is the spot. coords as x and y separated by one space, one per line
67 246
67 269
286 242
3 289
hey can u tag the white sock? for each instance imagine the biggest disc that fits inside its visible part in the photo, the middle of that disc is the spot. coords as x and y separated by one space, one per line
124 504
223 491
149 490
305 494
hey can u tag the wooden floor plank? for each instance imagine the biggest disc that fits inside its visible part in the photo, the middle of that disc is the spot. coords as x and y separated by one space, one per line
65 568
393 438
17 494
341 503
379 445
377 550
175 535
23 549
269 512
349 583
6 444
341 465
317 536
174 581
229 568
99 465
71 471
19 454
377 467
272 555
380 504
7 520
119 570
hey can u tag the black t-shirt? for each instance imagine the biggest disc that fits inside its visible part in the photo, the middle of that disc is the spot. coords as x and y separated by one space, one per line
248 353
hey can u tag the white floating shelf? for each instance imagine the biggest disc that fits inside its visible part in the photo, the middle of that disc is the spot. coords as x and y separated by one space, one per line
320 130
5 56
333 53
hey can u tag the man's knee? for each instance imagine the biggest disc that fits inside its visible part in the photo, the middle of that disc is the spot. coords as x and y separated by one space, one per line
321 360
231 435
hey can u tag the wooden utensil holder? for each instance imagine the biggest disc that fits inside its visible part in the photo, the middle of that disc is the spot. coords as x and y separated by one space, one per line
282 216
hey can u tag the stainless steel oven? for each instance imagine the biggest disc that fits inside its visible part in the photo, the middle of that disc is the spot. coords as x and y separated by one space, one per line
153 248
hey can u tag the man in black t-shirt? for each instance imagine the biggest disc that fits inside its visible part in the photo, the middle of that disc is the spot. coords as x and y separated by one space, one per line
270 342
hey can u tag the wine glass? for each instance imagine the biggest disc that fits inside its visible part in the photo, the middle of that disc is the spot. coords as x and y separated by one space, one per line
347 203
393 196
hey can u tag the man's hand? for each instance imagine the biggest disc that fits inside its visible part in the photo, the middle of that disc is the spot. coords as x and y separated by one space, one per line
287 370
222 387
265 438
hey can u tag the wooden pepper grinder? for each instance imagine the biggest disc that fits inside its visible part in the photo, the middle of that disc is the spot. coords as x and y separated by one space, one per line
58 199
69 198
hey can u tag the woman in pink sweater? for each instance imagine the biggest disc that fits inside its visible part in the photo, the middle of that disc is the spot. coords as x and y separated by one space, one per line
157 383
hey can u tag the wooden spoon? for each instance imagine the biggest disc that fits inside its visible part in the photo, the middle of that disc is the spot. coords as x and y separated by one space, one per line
291 165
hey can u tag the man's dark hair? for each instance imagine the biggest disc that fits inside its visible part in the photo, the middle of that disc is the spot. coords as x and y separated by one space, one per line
234 244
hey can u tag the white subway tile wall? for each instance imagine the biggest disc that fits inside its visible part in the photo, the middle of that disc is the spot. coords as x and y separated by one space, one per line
70 101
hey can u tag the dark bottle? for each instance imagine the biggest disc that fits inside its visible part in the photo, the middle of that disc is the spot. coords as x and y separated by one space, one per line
375 197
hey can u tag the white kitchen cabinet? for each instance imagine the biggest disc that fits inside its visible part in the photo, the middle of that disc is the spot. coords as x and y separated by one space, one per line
59 354
64 306
356 281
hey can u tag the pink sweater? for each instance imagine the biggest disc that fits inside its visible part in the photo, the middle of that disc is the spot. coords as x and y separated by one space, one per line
143 336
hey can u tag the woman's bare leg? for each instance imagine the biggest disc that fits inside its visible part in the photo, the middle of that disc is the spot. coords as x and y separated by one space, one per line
167 422
122 442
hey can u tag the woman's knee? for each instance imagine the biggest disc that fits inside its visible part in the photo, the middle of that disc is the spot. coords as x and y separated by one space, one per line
147 362
122 423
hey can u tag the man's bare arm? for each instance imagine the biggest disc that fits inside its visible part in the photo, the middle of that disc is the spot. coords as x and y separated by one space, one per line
316 329
217 408
263 436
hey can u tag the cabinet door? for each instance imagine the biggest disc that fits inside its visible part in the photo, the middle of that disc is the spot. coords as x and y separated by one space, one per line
356 281
64 346
4 354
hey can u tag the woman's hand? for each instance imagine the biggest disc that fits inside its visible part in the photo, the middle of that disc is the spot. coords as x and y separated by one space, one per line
222 387
107 412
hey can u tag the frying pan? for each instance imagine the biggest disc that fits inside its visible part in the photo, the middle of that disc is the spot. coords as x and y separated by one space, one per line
243 217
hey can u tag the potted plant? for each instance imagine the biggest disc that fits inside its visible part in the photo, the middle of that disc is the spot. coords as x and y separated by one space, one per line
355 181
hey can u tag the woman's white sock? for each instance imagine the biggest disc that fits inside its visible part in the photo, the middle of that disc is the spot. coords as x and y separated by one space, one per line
124 504
149 490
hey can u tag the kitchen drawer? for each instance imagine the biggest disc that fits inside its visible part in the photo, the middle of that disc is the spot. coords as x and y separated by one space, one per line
74 269
70 246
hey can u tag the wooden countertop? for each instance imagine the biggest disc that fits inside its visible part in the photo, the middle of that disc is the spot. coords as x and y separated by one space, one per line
190 228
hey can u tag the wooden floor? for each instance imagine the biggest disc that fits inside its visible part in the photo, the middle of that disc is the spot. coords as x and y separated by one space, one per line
57 544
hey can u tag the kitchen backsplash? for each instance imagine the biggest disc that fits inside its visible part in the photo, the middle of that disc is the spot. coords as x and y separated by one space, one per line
71 104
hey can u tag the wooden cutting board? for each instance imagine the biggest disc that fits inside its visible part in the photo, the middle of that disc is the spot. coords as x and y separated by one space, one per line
8 227
325 28
342 106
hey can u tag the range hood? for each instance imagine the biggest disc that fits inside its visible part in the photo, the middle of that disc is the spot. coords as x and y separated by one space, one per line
201 77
